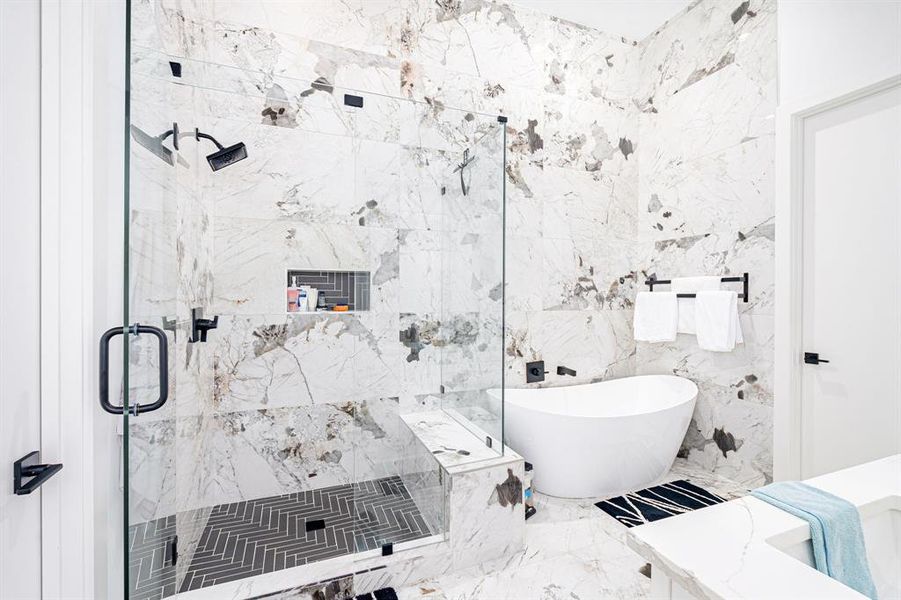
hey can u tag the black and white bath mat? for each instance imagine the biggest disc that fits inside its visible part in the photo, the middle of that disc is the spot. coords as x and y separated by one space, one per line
658 502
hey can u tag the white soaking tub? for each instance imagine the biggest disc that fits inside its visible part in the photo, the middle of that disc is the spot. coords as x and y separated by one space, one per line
599 439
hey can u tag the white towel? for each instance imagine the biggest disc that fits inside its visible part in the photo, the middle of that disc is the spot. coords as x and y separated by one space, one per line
716 318
691 285
656 316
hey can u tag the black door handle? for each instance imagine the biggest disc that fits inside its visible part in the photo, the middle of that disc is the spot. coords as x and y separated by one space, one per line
163 368
29 467
813 358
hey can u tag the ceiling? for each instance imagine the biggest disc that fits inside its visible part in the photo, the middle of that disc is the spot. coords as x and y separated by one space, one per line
632 19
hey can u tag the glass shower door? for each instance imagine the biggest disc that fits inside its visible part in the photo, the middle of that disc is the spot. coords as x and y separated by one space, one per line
153 327
291 448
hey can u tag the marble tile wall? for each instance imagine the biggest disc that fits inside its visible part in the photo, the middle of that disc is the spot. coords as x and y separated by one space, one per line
331 187
622 159
705 207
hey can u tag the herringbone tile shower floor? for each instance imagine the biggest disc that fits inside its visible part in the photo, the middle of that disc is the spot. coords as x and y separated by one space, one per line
259 536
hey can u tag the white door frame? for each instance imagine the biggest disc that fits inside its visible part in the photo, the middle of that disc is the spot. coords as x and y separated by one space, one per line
68 347
790 124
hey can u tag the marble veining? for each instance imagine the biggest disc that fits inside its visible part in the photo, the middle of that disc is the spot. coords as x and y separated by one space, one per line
572 550
446 439
623 159
742 548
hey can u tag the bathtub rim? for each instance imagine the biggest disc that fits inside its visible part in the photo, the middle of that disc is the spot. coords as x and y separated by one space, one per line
690 397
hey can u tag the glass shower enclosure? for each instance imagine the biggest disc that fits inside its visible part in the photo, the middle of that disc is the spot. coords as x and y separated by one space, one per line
307 266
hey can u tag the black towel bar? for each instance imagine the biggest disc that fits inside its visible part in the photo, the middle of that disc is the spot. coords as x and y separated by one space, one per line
743 279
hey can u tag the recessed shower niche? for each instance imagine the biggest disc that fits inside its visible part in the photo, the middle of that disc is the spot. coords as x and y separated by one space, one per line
327 290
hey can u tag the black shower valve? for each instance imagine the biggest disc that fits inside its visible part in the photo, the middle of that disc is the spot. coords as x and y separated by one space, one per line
535 371
200 326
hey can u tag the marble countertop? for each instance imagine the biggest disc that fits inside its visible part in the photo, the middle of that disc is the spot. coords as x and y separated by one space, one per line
728 551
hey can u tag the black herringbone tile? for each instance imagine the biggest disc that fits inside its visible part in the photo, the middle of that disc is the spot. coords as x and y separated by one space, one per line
251 537
150 577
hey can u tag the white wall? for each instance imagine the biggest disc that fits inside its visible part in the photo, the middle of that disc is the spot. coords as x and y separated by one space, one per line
20 290
827 49
109 115
831 47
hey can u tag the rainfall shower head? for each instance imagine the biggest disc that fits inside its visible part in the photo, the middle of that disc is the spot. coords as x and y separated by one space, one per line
227 156
153 143
222 157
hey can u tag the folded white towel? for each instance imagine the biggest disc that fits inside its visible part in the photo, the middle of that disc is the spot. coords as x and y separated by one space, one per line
655 316
716 318
691 285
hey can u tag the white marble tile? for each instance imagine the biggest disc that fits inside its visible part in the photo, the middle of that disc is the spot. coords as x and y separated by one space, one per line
328 187
735 398
719 253
299 359
597 344
745 373
748 548
703 40
269 185
446 439
252 257
572 549
722 111
588 274
151 469
353 23
486 518
586 204
725 191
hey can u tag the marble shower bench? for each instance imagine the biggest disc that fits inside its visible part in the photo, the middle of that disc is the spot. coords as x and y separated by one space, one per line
482 512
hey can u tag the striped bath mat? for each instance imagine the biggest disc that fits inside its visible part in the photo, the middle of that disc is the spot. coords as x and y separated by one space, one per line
658 502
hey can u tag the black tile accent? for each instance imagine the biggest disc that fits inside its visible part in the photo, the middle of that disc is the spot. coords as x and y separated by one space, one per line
176 68
351 100
315 525
338 287
258 536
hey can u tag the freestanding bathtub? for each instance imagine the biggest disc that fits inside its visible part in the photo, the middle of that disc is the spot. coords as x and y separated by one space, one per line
599 439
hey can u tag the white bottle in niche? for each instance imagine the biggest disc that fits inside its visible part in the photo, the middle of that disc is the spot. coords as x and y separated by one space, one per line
302 298
312 299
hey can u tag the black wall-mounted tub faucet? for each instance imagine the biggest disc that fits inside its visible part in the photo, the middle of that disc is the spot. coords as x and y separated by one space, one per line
565 371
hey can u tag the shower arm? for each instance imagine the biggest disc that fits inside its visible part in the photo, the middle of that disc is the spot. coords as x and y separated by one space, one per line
197 135
461 167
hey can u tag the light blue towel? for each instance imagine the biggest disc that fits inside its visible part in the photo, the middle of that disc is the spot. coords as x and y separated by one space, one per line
835 531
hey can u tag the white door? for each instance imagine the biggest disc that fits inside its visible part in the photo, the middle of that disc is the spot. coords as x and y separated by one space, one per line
851 406
20 382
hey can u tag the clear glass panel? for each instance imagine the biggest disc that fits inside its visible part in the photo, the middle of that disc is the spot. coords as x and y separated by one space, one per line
472 276
399 497
292 436
155 176
271 419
